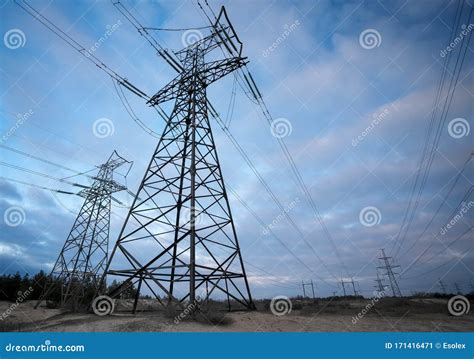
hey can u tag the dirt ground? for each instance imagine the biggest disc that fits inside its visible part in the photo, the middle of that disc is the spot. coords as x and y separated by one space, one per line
428 315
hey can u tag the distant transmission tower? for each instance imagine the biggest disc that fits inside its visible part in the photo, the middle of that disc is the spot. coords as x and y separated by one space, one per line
388 267
343 287
442 286
353 287
83 258
309 284
380 286
179 235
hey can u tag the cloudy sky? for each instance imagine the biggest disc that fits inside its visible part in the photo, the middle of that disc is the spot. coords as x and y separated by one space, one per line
352 86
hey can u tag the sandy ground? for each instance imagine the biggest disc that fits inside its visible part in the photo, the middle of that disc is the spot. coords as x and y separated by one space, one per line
340 318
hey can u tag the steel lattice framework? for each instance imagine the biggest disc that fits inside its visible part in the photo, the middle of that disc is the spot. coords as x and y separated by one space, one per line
83 258
179 236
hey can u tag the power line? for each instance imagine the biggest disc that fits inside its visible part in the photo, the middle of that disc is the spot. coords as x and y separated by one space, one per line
261 103
37 186
441 204
446 105
40 159
270 231
19 168
443 250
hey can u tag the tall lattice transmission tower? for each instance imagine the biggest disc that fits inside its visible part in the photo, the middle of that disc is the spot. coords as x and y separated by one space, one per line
388 267
83 258
179 235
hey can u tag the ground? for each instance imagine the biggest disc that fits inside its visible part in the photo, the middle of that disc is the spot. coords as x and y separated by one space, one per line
389 314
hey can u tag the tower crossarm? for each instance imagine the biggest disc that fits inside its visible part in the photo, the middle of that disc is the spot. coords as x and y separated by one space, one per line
209 73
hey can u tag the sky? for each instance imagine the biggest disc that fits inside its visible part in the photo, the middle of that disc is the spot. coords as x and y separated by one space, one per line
350 86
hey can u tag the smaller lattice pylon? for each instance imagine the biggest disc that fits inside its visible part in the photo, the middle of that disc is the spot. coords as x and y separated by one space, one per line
81 263
388 267
442 286
380 287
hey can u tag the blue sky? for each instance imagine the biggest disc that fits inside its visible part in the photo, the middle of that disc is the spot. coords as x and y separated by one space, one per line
314 72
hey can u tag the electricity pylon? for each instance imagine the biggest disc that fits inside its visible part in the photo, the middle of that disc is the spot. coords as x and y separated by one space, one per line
390 274
179 235
83 258
380 286
309 284
353 287
343 287
442 286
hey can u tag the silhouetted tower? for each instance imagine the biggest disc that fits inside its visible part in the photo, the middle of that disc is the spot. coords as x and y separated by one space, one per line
83 258
442 286
380 286
388 267
343 287
353 287
310 284
179 234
